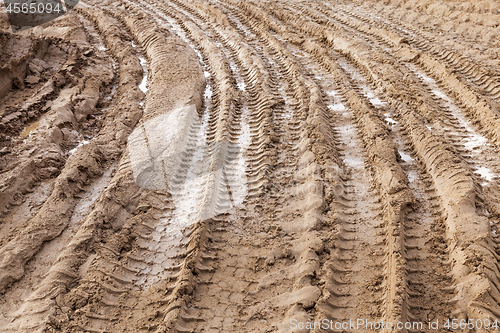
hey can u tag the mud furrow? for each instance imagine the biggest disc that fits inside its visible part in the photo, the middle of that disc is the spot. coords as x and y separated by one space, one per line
335 302
81 177
396 196
285 57
199 306
176 318
436 159
259 104
474 148
435 110
482 78
120 274
82 98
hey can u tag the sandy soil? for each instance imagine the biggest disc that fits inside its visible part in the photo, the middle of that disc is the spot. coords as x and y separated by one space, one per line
359 179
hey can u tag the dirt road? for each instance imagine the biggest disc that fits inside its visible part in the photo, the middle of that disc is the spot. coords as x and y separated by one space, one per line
249 166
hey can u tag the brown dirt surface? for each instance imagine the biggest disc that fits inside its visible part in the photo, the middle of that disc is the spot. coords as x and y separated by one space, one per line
246 166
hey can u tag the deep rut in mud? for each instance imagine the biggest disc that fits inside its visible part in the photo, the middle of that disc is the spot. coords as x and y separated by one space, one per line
239 166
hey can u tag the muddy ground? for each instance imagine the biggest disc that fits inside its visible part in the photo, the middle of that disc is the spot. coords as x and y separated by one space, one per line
358 179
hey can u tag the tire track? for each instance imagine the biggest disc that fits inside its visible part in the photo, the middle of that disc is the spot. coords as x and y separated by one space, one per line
176 314
168 242
392 308
352 279
425 149
473 139
485 83
483 76
38 307
301 292
370 155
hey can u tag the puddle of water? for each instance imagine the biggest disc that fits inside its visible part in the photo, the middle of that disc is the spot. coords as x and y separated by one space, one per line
144 64
143 85
27 131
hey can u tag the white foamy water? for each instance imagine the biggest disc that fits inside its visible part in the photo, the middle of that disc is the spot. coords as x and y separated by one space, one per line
337 107
407 158
485 173
362 83
143 85
144 64
81 143
389 120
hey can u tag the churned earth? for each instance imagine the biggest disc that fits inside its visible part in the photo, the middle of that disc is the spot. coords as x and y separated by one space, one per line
363 182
